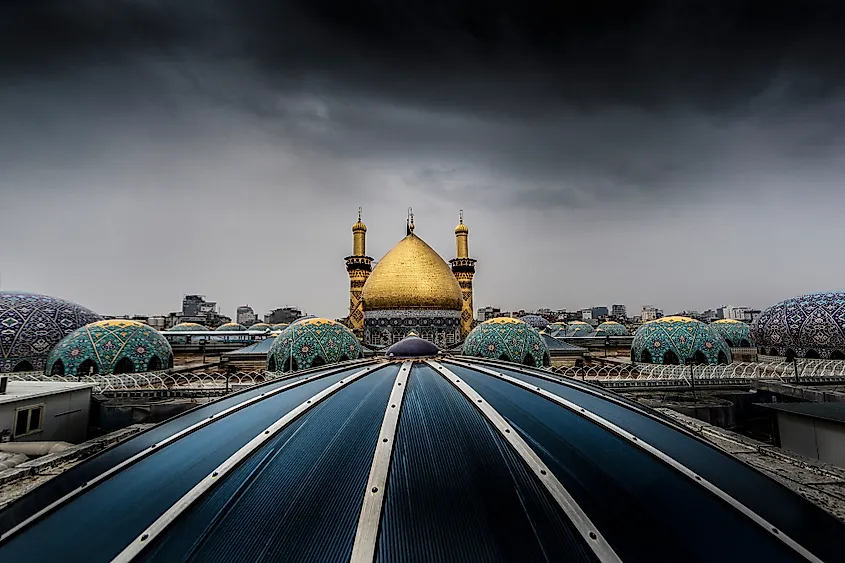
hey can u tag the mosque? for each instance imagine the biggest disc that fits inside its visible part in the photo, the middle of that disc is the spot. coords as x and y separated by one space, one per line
411 289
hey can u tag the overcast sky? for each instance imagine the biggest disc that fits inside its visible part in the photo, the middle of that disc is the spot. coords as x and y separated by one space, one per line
603 152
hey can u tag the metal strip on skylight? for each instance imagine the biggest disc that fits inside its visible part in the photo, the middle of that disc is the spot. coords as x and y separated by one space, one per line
366 535
159 445
181 505
594 539
659 454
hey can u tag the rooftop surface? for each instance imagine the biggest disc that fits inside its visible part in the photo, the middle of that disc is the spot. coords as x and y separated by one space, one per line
458 459
834 412
23 390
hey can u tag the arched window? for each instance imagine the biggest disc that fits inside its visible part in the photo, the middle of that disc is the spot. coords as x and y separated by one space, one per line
318 361
124 365
291 365
58 368
504 357
528 360
271 363
744 343
812 355
646 358
169 361
730 342
547 360
154 364
343 358
790 354
722 359
23 366
670 358
699 357
837 355
773 352
88 367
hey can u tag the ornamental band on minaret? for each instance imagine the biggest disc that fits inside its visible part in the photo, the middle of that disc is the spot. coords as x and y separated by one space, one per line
463 267
358 266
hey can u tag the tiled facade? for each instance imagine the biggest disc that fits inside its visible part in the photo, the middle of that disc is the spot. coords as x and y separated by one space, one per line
383 328
312 342
810 325
117 346
672 340
507 339
579 328
32 324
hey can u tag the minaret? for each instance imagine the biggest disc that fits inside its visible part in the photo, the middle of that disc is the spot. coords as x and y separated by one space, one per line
358 266
464 269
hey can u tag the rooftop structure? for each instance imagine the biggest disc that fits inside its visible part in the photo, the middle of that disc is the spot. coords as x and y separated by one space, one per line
507 339
736 333
808 326
674 340
363 462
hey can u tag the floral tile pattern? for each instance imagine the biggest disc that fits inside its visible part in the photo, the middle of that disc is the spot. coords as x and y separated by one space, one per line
313 342
671 340
611 328
110 347
507 339
736 333
810 325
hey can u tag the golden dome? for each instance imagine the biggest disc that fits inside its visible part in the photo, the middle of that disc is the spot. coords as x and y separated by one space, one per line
461 228
411 276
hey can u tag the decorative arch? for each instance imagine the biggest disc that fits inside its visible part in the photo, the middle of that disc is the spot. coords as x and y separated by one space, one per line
89 366
670 358
837 355
646 358
271 363
700 358
24 365
730 342
58 368
723 359
318 361
504 357
547 359
154 364
124 365
812 355
528 360
790 354
744 343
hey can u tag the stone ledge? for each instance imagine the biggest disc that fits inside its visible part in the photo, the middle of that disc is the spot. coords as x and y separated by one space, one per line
820 483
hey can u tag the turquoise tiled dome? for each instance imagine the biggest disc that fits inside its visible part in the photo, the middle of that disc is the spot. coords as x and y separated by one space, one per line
260 326
188 327
110 347
32 324
535 321
314 342
557 329
808 326
671 340
736 333
611 328
507 339
280 326
579 328
230 326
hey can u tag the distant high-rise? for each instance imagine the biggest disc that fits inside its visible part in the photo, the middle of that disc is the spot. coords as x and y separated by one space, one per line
598 312
651 313
282 315
487 313
245 315
619 312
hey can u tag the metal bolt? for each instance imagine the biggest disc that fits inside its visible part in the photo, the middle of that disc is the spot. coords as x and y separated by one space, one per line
266 431
593 535
384 440
775 530
507 431
214 474
375 489
542 472
144 537
393 406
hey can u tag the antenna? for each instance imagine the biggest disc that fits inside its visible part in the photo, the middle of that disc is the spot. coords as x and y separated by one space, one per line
461 215
359 214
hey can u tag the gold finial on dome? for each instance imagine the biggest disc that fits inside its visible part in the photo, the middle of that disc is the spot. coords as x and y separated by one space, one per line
410 222
359 226
461 228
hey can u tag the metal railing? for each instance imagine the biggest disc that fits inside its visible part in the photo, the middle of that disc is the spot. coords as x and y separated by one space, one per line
155 380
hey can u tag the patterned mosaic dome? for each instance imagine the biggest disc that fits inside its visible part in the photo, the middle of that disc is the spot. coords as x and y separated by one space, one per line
508 339
110 347
280 326
736 333
188 327
314 342
579 328
536 321
611 328
230 326
671 340
808 326
32 324
557 329
260 326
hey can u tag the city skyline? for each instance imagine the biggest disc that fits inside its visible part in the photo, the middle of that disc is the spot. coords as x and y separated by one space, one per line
198 148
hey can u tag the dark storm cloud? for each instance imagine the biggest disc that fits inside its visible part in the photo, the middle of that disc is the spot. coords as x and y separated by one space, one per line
514 57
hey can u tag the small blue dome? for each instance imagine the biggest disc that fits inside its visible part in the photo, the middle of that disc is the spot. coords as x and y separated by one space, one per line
412 347
671 340
508 339
535 321
611 328
579 328
310 343
736 333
